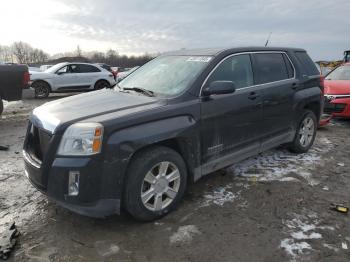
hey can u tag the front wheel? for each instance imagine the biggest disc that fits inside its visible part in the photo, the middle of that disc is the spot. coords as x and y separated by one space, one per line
156 182
306 133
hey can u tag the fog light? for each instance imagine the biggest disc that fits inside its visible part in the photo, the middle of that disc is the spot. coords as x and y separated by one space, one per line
73 183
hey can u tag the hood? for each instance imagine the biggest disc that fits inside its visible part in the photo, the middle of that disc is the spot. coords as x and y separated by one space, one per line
337 87
40 75
80 107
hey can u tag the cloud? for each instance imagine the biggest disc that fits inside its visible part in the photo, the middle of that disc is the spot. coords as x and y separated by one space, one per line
137 26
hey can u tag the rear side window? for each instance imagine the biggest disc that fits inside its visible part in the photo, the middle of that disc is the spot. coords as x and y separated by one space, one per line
88 69
270 68
237 69
307 64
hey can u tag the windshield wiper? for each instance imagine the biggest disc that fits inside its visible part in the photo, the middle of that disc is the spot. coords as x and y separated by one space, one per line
140 90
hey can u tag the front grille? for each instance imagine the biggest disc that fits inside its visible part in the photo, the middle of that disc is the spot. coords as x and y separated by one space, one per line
38 141
330 108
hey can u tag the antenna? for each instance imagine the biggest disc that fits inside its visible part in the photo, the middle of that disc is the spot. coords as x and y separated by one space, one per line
268 39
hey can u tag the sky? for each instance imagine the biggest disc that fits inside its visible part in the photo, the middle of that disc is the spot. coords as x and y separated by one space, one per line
135 27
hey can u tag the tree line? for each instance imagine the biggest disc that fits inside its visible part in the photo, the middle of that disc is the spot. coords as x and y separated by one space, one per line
23 53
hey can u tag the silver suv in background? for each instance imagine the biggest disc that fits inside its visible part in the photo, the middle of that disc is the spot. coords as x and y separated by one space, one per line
68 77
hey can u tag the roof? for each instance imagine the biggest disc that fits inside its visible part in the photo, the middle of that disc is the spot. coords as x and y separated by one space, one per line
217 51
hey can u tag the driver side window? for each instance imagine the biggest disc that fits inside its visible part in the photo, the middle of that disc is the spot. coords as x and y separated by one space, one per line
63 70
237 69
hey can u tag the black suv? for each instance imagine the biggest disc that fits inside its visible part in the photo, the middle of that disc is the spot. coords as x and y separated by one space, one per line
181 116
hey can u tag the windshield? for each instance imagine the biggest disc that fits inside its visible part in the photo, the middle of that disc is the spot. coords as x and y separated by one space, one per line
166 75
340 73
54 68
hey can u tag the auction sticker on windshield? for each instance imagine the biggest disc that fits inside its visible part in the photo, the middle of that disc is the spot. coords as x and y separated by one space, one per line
203 59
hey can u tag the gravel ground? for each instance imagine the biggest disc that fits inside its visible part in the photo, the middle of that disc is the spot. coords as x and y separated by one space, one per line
273 207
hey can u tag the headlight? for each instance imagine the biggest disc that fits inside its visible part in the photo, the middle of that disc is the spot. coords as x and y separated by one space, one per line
82 139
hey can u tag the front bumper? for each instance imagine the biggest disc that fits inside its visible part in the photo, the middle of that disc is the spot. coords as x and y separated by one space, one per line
338 107
96 197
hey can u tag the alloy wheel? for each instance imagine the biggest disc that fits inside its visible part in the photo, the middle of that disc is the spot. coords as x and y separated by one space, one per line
306 132
160 186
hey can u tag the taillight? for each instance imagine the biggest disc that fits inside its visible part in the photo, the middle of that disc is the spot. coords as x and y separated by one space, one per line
322 84
26 79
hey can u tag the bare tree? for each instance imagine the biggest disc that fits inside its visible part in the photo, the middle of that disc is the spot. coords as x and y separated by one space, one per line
6 54
79 53
21 51
25 54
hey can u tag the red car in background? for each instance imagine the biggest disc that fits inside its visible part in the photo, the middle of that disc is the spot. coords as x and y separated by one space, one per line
337 91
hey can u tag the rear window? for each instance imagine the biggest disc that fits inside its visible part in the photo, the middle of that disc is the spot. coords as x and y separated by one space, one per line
270 68
307 64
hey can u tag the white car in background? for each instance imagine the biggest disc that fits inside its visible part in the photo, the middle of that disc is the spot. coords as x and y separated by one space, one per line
122 75
71 77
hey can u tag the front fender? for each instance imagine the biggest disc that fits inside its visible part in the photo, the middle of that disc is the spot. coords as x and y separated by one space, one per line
123 144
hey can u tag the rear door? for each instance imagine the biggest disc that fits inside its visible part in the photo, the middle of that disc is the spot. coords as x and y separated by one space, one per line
230 123
88 75
275 74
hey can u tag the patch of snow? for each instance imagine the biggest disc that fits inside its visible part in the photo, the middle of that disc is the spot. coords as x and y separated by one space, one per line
184 234
331 247
12 104
302 235
294 249
344 245
327 228
301 228
106 249
220 196
280 164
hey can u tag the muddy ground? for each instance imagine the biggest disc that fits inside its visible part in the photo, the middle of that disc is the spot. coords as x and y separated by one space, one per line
274 207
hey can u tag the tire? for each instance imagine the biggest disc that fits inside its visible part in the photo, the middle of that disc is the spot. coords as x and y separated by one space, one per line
42 89
100 84
307 127
1 106
157 199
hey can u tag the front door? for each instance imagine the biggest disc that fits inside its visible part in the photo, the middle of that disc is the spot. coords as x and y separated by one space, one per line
230 123
67 77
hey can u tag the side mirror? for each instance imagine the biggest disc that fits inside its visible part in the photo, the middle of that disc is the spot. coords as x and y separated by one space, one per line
219 88
60 73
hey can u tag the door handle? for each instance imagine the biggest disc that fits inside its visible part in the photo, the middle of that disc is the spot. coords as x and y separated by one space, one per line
294 86
253 96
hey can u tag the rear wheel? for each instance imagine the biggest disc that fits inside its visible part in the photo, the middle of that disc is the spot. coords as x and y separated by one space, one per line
306 133
42 89
101 84
156 182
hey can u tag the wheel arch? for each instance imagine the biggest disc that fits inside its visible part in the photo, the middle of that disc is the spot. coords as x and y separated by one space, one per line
99 80
315 107
44 81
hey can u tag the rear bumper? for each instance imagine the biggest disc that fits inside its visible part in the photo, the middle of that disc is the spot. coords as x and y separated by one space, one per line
93 199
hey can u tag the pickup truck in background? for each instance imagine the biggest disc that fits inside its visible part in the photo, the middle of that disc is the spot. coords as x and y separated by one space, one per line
13 79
